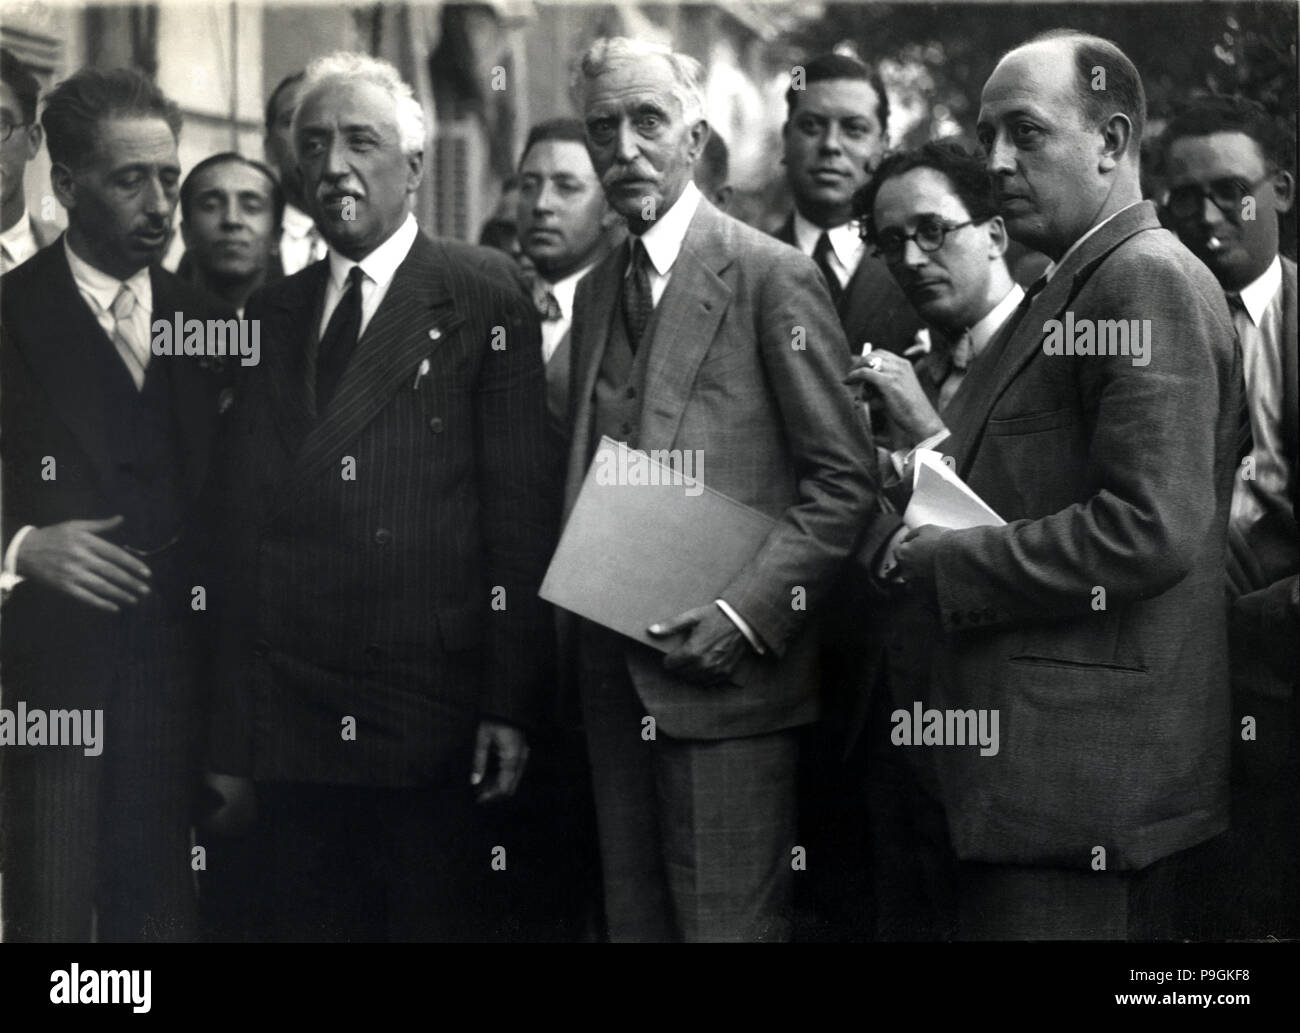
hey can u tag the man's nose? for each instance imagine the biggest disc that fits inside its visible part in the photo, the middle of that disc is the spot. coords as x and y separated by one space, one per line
159 200
628 142
913 256
232 214
334 165
831 141
1001 156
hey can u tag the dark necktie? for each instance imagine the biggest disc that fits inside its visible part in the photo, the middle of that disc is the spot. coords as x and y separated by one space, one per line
822 256
638 302
340 338
1245 439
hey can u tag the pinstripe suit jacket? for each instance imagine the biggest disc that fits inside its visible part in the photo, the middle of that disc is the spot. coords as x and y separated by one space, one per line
386 553
745 364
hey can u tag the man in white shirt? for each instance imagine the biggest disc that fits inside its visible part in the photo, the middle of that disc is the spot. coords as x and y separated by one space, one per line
706 336
301 242
106 445
565 227
835 132
1228 168
21 235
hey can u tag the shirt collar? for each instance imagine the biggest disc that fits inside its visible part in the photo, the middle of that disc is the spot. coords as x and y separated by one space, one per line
296 222
104 288
663 240
982 332
564 289
845 239
381 264
19 239
1050 271
1257 295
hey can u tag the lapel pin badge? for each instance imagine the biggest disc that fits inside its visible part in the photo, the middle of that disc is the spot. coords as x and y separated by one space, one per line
435 334
423 371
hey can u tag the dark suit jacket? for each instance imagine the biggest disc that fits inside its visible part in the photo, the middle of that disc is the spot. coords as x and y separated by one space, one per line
873 307
53 406
1113 712
779 432
405 598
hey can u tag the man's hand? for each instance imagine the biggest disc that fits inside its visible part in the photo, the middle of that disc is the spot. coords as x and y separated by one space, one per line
510 747
711 651
902 393
916 554
72 558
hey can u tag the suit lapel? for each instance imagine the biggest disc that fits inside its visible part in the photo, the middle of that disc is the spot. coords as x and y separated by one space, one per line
689 314
65 360
193 403
416 313
601 309
289 354
1013 347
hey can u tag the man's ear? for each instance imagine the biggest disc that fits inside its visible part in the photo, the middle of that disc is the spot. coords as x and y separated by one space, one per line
722 198
34 137
1116 141
699 137
998 239
1284 190
64 185
414 171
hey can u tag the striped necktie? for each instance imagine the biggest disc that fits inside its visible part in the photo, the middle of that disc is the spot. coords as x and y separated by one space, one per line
1245 439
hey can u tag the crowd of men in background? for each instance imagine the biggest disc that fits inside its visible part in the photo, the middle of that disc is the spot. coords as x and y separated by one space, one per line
303 593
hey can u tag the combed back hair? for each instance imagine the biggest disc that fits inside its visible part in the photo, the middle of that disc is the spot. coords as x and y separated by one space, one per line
190 183
284 84
18 77
1123 93
344 64
715 162
1217 113
688 76
965 170
826 67
76 106
565 129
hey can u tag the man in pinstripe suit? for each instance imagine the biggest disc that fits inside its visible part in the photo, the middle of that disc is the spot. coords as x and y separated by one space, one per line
385 485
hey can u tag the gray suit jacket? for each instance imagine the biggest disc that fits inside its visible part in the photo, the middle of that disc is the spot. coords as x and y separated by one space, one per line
1094 621
746 364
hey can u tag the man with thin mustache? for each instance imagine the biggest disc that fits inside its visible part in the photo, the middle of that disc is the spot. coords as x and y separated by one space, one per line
105 447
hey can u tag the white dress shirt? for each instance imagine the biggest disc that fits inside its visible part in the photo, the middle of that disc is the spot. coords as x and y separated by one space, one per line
1259 328
300 242
18 243
379 267
553 330
847 245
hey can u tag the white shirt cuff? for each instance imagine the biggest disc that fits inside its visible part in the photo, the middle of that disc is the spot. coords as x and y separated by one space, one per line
9 571
902 458
743 625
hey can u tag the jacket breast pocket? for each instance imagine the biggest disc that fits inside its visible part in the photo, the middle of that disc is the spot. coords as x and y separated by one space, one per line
1032 423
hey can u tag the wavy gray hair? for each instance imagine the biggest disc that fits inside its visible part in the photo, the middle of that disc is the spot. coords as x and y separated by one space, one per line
688 75
343 64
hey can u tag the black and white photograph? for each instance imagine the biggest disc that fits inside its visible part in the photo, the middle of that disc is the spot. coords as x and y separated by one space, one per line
529 472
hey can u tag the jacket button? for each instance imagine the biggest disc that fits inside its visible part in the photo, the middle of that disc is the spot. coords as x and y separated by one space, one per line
631 392
383 536
261 648
435 424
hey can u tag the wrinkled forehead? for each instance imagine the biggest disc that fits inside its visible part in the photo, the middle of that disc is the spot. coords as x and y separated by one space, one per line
624 83
346 103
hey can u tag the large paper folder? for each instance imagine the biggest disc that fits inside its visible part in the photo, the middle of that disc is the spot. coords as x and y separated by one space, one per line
644 543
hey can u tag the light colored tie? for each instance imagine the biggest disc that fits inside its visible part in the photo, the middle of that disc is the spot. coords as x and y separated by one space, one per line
958 359
135 357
